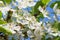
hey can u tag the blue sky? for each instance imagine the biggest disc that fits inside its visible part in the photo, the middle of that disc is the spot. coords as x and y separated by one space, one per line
51 12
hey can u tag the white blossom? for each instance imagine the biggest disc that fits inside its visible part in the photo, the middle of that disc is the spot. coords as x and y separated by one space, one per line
55 6
44 12
25 3
37 33
30 34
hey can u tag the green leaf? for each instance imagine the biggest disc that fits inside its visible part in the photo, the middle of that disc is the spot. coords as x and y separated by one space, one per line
0 15
13 38
6 1
5 30
45 1
52 5
39 16
56 25
2 22
56 38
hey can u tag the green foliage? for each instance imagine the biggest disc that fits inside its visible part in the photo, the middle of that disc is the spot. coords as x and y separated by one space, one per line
56 25
39 16
52 5
2 22
0 15
6 1
5 30
13 38
45 2
56 38
43 37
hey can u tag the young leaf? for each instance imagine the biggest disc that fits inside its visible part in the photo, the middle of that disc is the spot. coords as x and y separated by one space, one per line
0 15
45 1
6 1
5 30
56 25
2 22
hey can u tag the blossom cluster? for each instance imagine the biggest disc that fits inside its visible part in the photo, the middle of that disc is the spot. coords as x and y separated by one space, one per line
22 24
